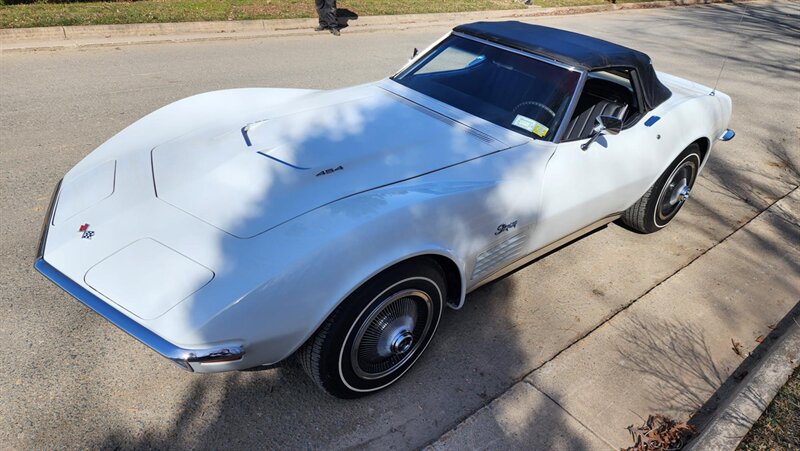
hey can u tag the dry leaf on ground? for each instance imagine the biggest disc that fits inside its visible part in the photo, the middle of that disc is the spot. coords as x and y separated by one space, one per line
737 348
660 433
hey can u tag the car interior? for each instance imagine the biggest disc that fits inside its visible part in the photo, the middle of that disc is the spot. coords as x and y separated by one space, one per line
503 91
606 93
497 86
502 87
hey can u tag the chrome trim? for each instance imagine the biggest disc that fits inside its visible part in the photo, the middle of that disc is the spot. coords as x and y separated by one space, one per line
575 93
727 135
421 55
182 357
573 104
48 220
517 51
389 328
544 250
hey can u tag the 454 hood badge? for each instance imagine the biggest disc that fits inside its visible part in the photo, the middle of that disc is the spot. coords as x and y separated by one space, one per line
87 234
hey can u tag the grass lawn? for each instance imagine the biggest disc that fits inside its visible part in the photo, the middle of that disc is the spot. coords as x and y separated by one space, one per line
779 425
144 11
42 14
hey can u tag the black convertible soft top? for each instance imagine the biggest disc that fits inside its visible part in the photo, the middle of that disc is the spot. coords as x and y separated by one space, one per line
580 51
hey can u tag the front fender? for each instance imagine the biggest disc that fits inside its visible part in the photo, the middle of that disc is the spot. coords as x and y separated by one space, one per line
323 256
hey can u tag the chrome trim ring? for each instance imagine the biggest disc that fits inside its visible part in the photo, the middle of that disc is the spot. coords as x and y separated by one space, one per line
391 334
677 189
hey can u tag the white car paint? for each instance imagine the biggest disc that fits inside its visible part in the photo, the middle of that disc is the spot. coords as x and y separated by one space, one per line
262 251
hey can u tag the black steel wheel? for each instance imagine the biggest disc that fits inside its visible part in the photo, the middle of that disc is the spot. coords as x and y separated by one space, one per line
378 332
667 195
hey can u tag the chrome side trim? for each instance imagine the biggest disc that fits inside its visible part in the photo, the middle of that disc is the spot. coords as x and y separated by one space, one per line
182 357
727 135
550 247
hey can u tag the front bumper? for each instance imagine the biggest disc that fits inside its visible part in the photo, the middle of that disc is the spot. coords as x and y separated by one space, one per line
185 358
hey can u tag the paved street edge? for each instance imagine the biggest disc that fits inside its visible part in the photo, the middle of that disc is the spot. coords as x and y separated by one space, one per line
53 38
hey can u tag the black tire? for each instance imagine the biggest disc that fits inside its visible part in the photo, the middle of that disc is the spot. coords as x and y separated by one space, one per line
378 332
665 198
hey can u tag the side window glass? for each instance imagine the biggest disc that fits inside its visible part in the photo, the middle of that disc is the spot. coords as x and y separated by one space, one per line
606 93
617 85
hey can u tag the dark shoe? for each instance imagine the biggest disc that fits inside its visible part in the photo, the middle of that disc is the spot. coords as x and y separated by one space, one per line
335 32
320 28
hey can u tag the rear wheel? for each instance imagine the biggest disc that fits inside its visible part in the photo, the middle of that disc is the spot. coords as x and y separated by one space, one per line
665 198
378 332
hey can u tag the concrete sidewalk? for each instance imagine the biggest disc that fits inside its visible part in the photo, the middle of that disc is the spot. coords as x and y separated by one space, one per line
669 352
62 37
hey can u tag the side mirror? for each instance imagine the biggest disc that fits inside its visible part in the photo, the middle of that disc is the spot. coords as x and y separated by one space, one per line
414 55
611 125
605 124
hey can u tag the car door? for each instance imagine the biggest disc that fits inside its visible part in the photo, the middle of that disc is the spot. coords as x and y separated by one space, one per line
582 187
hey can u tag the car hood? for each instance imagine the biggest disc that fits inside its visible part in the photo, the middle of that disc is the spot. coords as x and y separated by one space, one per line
252 177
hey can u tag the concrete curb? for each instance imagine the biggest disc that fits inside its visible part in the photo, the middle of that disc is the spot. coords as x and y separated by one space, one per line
50 38
742 409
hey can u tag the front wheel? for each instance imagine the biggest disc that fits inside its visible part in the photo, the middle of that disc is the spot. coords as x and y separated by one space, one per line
378 332
665 198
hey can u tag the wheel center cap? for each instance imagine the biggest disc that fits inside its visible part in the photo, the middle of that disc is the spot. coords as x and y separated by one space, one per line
680 192
683 195
402 342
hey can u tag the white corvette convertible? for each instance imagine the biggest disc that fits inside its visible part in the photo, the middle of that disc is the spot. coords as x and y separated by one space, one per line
236 228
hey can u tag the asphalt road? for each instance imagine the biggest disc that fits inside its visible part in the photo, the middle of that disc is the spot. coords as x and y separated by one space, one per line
70 379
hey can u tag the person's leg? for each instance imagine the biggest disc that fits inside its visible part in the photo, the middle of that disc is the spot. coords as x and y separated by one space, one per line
322 13
331 20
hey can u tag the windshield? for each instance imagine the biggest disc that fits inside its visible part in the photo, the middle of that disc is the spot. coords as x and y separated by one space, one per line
514 91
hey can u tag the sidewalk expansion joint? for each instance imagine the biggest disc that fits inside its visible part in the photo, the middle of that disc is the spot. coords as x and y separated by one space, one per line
569 414
612 316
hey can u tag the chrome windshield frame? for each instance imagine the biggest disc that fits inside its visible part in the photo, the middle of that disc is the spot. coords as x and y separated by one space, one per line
411 66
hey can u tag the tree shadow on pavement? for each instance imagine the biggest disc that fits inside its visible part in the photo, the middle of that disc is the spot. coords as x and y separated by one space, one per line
676 361
684 377
473 359
479 351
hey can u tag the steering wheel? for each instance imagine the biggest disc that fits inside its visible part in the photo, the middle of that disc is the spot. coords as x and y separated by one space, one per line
536 104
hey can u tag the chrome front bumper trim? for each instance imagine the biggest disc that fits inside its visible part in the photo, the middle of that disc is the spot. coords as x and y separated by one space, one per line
181 356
